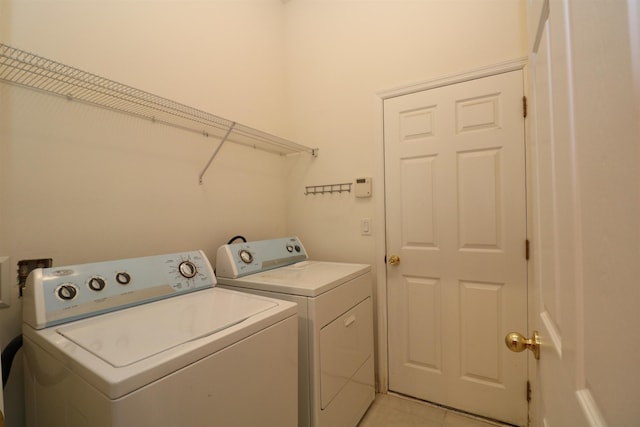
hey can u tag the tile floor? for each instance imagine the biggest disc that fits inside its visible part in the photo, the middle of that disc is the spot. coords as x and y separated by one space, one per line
397 411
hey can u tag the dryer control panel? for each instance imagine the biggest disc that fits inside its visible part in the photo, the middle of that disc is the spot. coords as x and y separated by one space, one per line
62 294
241 259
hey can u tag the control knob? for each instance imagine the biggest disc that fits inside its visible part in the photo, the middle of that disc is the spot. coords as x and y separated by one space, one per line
96 283
67 292
123 278
188 269
246 256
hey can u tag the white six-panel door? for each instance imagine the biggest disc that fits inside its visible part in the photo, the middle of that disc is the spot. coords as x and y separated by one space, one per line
456 218
585 189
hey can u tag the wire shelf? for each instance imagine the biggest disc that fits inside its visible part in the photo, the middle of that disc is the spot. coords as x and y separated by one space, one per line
26 69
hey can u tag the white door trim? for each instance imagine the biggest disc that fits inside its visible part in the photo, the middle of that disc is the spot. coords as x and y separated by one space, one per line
478 73
379 194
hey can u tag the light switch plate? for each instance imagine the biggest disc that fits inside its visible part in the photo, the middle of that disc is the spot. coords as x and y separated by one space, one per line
365 226
5 282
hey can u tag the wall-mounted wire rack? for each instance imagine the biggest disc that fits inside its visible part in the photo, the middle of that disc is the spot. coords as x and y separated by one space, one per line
26 69
328 188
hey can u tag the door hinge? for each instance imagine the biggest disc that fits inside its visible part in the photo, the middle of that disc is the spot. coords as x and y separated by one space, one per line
528 391
527 250
524 106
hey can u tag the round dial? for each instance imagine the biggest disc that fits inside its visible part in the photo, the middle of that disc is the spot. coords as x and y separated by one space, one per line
188 269
289 248
123 278
246 256
67 291
96 283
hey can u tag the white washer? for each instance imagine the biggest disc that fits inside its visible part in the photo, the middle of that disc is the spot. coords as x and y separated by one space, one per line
150 342
335 311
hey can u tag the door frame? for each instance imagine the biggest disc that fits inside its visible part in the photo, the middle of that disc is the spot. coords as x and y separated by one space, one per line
379 265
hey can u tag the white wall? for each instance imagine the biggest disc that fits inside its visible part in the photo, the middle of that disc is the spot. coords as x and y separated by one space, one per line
81 184
223 56
340 53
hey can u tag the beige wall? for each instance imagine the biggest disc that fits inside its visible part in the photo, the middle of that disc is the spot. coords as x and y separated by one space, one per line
339 55
222 56
80 184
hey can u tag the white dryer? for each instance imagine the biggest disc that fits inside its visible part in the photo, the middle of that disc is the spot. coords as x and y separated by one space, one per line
151 342
335 311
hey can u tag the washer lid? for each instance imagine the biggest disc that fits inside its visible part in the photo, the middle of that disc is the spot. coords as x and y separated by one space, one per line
128 336
306 278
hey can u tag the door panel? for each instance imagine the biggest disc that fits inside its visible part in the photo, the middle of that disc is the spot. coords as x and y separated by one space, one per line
420 205
422 323
480 324
456 216
479 199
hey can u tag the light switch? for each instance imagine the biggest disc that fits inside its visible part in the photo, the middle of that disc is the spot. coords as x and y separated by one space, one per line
365 226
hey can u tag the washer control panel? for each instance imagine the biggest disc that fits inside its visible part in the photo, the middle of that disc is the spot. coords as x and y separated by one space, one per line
63 294
241 259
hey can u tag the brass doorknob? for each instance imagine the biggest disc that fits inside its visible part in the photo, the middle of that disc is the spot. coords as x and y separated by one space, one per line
516 342
394 260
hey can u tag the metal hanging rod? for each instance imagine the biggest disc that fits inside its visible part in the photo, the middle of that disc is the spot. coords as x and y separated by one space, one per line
328 188
26 69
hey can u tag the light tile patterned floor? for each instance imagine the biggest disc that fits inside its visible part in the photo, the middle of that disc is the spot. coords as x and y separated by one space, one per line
396 411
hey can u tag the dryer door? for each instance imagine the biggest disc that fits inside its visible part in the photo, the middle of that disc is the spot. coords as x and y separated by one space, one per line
345 345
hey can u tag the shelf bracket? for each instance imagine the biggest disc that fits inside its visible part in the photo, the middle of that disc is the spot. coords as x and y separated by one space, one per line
215 153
